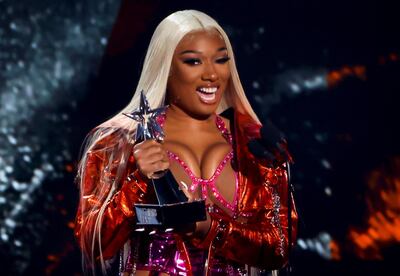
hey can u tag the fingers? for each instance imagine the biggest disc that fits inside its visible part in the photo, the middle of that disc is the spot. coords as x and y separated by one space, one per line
158 165
143 146
150 157
146 149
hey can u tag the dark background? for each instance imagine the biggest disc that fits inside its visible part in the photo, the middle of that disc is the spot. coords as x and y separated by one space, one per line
325 72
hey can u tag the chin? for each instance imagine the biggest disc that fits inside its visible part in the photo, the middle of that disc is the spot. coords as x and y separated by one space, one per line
208 110
202 112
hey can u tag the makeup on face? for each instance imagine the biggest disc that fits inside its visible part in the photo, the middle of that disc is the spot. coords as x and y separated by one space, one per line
199 72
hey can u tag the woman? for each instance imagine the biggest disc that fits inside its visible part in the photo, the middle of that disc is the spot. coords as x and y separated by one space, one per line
189 66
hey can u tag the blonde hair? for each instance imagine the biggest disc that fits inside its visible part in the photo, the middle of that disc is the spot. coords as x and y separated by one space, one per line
153 81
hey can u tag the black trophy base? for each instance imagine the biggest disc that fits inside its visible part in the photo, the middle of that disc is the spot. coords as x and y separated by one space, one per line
168 215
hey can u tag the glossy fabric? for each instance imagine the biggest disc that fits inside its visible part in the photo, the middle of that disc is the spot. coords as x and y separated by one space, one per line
257 235
159 251
209 184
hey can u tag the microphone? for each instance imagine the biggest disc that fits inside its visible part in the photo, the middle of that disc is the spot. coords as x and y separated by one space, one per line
271 135
270 146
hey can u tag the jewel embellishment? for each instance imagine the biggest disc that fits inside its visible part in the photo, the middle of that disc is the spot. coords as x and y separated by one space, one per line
147 128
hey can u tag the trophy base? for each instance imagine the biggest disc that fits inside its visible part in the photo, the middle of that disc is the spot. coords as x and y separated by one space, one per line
169 215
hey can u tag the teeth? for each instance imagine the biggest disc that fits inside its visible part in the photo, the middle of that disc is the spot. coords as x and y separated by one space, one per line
207 97
208 90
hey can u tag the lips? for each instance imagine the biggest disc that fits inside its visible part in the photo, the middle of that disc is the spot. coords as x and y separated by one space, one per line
207 94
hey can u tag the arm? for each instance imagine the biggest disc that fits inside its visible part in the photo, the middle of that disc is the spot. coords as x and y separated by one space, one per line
259 236
118 215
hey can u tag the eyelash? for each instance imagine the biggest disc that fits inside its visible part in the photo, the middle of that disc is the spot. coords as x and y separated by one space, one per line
196 61
223 60
192 61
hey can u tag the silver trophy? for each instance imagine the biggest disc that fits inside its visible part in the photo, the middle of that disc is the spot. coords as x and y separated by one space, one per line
173 207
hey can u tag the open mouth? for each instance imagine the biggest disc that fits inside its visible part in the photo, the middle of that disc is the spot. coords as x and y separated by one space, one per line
207 94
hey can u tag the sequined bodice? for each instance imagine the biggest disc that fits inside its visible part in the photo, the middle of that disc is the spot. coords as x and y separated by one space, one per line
210 183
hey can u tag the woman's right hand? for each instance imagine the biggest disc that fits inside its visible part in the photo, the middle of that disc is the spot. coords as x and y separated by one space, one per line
150 157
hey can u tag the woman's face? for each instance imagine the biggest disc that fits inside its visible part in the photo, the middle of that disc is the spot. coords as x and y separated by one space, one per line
199 73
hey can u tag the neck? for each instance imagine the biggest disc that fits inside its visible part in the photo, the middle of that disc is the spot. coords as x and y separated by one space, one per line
178 117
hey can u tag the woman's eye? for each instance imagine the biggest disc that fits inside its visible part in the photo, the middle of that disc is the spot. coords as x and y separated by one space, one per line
223 60
192 61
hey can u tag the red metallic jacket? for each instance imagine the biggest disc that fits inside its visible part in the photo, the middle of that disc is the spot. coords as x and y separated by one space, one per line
258 236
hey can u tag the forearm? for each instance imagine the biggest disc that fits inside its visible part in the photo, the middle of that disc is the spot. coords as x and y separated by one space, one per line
118 220
114 219
258 240
261 246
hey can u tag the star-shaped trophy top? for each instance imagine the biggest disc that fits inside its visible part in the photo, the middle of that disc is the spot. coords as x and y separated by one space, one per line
147 128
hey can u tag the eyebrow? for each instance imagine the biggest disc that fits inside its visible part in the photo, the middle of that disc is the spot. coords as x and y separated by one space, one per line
199 52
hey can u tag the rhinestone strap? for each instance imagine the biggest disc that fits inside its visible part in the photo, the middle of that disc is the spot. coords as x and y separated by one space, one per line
277 221
196 181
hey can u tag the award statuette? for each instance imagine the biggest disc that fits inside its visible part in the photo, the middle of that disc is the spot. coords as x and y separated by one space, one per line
173 207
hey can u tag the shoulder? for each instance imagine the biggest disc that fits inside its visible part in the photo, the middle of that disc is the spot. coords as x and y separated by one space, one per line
107 138
244 123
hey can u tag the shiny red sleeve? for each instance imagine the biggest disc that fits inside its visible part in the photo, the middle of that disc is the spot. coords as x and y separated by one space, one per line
262 239
118 218
259 236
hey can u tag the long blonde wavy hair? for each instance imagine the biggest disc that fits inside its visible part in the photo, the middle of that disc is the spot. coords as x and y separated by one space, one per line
153 81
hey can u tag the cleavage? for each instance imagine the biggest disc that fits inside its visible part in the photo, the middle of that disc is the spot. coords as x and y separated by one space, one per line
202 166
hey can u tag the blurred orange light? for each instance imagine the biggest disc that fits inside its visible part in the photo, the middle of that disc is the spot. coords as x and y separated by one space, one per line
382 226
69 168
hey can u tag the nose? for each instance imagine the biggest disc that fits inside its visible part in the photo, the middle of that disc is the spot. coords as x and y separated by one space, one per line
209 73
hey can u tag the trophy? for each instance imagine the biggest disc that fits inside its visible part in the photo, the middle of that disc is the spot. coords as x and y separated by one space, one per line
173 207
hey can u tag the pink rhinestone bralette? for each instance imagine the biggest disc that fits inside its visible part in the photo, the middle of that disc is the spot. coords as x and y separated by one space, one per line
210 182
